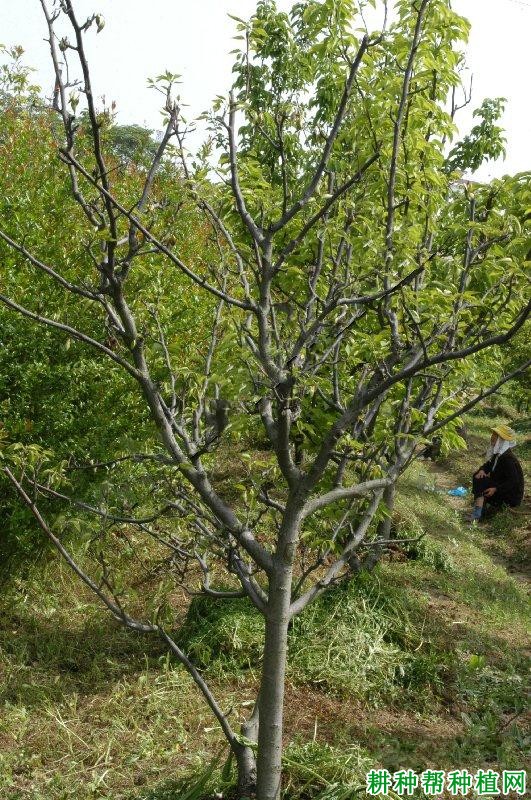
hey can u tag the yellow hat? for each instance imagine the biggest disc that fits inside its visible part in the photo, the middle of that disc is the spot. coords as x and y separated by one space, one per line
504 432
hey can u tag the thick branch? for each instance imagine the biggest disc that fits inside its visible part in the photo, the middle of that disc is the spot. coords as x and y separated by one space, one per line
199 681
334 571
452 355
124 618
343 493
71 287
249 222
343 189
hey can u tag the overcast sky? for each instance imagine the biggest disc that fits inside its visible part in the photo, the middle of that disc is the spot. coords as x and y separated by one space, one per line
141 40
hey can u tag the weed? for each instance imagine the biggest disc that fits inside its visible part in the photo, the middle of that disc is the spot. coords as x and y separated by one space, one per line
407 526
194 787
318 770
342 644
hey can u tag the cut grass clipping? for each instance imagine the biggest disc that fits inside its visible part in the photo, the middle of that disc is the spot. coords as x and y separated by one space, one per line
352 641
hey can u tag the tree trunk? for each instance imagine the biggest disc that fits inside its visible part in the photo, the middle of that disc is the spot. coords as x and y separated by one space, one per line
245 758
246 766
384 527
269 760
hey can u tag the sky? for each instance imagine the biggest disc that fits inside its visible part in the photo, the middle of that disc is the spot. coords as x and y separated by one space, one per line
141 40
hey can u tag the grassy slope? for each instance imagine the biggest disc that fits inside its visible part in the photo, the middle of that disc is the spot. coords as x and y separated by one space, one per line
430 674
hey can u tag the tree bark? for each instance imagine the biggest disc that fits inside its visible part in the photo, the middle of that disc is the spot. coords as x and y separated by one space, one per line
245 758
246 766
269 760
384 527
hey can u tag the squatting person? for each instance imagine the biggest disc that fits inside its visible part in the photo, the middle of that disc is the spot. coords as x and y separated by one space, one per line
500 480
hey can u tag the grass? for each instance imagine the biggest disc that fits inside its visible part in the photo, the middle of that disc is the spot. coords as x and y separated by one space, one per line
420 664
318 769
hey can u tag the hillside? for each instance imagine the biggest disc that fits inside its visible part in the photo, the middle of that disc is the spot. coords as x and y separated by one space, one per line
420 664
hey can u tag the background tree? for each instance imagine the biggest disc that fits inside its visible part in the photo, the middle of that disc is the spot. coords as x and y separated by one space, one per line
348 304
53 392
484 142
132 143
